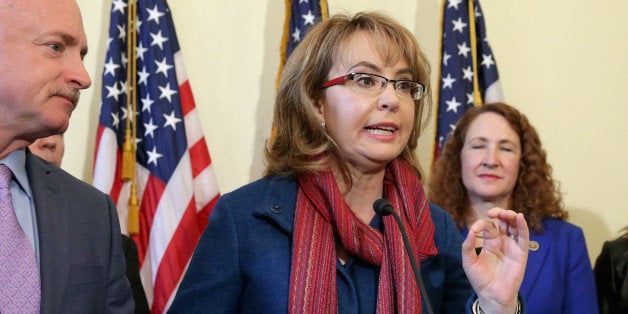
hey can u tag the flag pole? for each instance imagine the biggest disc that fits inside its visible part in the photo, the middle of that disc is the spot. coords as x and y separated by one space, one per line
474 54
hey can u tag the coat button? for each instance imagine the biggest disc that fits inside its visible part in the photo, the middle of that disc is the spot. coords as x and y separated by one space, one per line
276 209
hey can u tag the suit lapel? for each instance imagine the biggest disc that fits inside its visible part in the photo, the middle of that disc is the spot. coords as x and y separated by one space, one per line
53 230
539 247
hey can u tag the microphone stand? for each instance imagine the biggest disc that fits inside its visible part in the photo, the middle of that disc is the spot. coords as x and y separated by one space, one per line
384 208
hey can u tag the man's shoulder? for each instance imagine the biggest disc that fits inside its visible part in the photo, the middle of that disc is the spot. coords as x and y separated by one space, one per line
41 172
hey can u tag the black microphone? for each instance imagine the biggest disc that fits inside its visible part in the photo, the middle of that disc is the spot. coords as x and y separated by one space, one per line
384 208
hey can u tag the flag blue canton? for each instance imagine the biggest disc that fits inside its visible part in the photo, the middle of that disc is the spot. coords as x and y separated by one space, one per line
161 140
303 15
456 92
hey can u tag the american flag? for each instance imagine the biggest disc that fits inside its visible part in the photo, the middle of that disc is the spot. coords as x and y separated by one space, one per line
176 185
301 15
459 87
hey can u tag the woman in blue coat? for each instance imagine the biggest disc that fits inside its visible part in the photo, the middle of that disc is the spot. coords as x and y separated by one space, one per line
305 238
494 158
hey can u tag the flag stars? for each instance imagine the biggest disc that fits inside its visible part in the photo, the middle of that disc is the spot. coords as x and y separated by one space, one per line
124 60
448 81
454 4
452 105
137 26
154 14
143 76
158 117
140 50
153 156
171 120
467 74
147 103
308 18
123 87
470 99
110 67
163 67
116 120
158 40
149 129
113 91
167 92
137 141
296 36
118 5
121 31
124 114
466 60
463 49
487 60
446 58
459 25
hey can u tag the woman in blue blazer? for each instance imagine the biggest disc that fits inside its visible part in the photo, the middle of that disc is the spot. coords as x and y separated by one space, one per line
242 262
306 239
494 158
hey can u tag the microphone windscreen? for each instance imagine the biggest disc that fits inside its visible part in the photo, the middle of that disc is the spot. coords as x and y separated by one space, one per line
382 207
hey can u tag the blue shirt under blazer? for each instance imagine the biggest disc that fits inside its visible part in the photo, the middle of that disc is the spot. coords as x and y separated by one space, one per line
242 261
558 277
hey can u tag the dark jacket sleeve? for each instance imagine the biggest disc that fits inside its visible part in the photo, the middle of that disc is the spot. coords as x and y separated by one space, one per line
603 278
118 290
133 274
611 276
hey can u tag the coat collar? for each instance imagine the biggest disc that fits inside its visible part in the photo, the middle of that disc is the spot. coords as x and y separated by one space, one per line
279 202
540 244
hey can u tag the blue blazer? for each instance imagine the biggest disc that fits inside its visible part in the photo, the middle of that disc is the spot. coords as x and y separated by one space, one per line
242 261
81 261
558 277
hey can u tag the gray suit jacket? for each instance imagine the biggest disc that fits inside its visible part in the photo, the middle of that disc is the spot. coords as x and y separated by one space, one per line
81 260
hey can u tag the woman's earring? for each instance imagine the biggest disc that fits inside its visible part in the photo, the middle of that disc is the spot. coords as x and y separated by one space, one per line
323 124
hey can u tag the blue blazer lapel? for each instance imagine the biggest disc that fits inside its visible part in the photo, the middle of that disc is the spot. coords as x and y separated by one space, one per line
52 225
539 247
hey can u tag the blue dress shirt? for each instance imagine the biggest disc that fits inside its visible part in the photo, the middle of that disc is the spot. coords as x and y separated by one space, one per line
22 197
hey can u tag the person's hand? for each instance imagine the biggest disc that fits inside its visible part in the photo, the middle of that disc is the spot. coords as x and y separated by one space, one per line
497 272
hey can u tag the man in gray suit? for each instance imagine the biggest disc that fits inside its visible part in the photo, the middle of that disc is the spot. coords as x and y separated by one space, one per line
69 228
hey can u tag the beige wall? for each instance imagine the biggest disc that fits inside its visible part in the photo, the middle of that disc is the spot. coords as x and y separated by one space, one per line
562 62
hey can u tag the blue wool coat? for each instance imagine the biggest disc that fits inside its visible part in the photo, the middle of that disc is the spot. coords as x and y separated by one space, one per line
242 262
558 277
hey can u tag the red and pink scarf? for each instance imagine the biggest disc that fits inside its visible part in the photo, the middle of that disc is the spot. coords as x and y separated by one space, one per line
322 216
